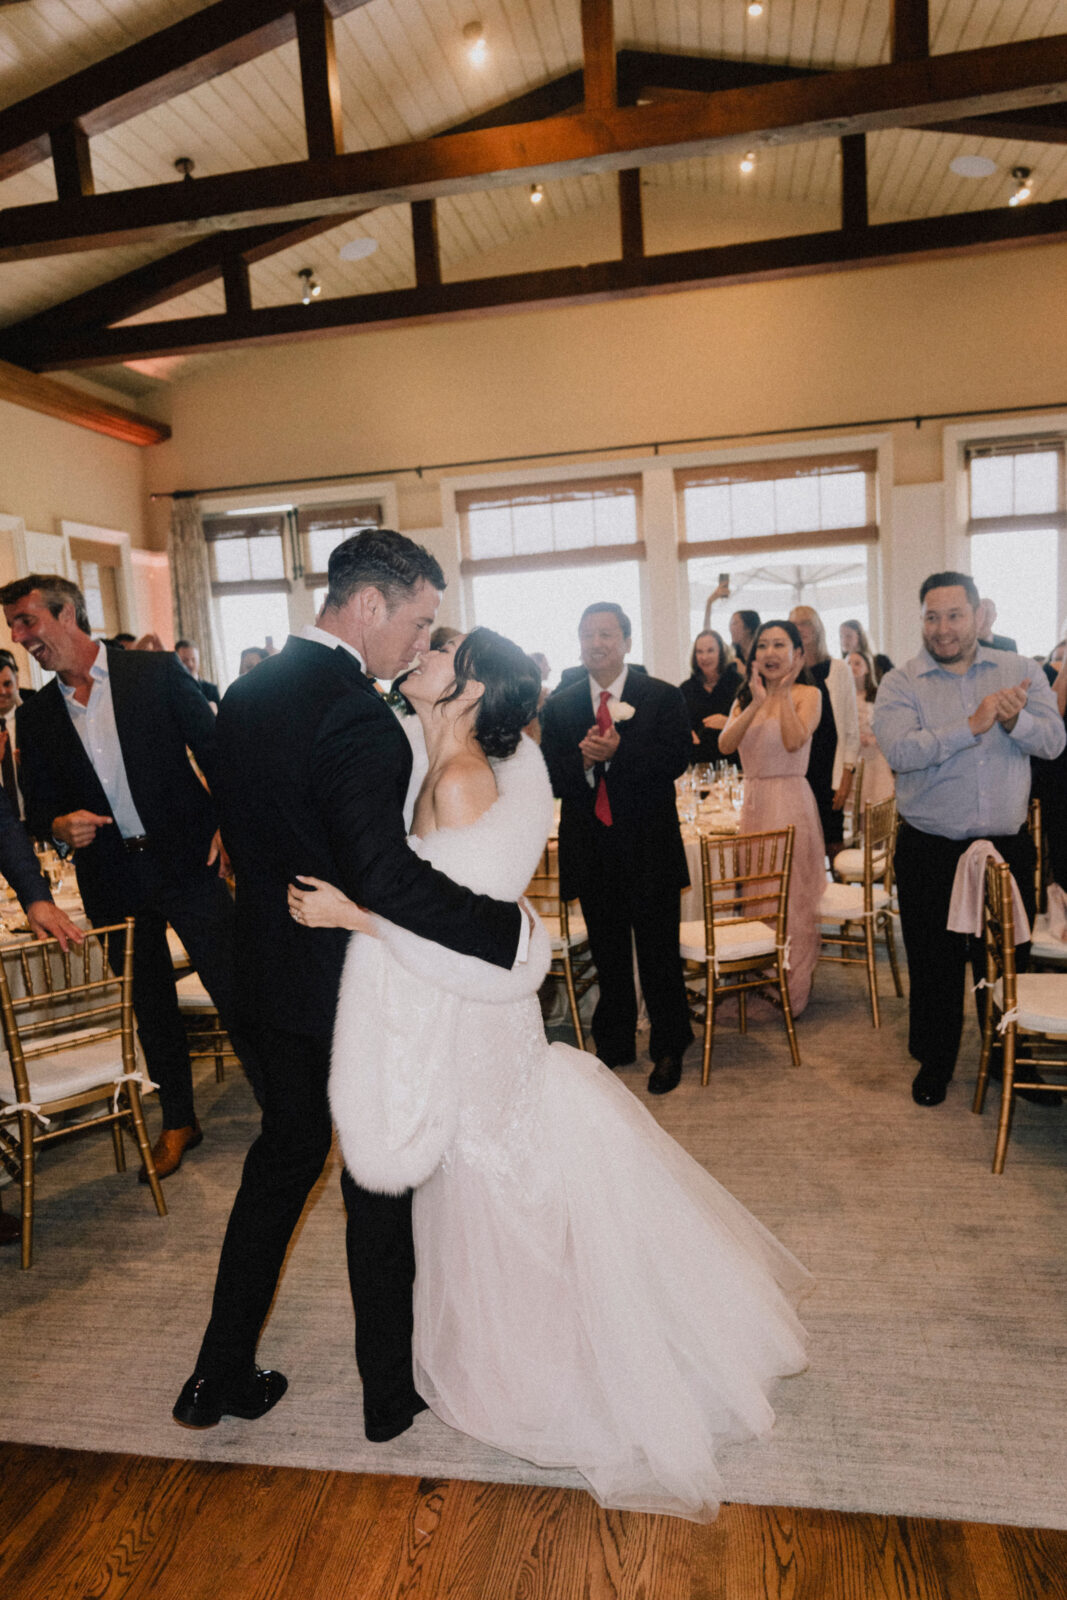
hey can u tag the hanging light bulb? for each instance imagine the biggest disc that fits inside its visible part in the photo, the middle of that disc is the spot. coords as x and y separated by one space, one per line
312 287
537 193
477 47
755 8
748 161
1024 186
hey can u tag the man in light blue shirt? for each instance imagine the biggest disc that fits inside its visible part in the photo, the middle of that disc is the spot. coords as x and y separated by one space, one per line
958 725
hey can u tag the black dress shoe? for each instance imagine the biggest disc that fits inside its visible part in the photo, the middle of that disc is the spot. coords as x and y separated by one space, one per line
666 1075
204 1401
928 1087
380 1428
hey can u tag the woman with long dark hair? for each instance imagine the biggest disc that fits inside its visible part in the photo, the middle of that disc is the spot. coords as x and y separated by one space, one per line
772 723
709 692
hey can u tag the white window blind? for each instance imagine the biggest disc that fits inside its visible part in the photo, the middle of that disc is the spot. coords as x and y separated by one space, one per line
1016 486
743 508
322 528
526 528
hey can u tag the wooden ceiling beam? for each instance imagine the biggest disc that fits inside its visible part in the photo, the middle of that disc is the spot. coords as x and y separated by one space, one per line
751 261
212 41
598 55
831 105
1041 124
631 214
909 30
425 243
52 399
854 181
320 82
71 161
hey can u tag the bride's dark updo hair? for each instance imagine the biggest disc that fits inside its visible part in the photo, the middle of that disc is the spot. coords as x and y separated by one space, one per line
512 684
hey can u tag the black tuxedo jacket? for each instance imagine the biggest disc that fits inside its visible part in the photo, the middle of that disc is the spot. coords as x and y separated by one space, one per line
313 773
160 715
17 860
654 749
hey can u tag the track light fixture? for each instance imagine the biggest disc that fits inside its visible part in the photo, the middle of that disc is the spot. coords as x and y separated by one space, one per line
312 286
185 165
537 193
1024 186
475 41
748 161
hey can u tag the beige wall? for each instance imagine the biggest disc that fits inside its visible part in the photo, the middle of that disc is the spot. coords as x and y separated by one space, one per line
52 470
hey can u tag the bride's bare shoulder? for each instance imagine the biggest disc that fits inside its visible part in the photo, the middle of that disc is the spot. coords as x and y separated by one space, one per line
464 791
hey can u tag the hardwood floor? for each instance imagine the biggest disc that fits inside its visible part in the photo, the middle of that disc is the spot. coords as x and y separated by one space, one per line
116 1527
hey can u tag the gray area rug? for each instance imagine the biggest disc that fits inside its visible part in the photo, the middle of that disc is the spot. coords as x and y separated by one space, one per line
937 1385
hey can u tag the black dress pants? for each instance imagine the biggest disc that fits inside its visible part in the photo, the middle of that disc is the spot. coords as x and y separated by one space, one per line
925 865
280 1171
200 909
614 915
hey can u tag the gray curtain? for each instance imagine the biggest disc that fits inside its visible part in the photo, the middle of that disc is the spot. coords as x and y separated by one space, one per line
191 582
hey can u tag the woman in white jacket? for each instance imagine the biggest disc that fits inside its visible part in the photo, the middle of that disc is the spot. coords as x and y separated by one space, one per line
835 747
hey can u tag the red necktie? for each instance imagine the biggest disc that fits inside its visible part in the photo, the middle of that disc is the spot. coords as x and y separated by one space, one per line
602 808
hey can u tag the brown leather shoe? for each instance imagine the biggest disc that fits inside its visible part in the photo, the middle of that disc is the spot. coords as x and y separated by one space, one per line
170 1147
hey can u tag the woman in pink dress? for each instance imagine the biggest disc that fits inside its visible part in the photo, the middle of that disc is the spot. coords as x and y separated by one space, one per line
771 724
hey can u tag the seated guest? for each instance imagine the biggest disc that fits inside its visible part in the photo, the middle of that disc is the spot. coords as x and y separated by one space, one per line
709 692
853 636
877 774
251 656
987 616
189 656
835 744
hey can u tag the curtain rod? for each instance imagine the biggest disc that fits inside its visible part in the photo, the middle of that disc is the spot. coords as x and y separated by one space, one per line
641 447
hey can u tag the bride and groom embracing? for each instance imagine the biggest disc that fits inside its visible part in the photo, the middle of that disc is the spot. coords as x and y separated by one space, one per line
586 1296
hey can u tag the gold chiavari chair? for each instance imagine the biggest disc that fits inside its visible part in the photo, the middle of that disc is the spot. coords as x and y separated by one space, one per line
867 905
1047 952
742 943
1027 1003
68 1027
208 1039
855 807
572 960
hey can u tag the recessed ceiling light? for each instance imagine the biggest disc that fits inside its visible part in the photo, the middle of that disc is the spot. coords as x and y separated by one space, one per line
537 193
755 9
358 249
748 162
972 166
476 44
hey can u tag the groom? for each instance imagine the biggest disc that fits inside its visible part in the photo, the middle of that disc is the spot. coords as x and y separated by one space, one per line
313 771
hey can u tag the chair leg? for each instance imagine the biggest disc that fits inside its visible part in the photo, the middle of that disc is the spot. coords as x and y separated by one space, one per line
27 1189
709 1024
120 1149
1006 1099
742 1011
891 950
572 999
983 1059
787 1012
220 1067
872 970
136 1112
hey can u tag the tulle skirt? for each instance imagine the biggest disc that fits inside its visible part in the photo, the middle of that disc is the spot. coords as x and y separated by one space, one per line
587 1295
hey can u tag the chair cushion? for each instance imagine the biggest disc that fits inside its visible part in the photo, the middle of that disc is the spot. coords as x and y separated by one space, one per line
68 1072
1044 945
192 996
1042 1001
575 925
848 865
843 902
734 941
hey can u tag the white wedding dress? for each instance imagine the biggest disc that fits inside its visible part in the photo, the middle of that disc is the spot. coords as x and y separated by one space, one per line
587 1296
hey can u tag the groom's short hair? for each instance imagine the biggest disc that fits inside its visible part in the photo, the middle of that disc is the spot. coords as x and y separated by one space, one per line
378 558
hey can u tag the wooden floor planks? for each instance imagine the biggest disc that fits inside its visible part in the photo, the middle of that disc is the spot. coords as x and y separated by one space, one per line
115 1527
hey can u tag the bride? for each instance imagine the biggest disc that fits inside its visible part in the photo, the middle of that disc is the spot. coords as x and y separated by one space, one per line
587 1296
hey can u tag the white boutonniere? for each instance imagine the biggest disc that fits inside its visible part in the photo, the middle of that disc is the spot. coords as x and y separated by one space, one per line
619 710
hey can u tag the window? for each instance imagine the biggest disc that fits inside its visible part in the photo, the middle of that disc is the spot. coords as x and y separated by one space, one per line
268 569
784 533
1017 518
534 556
95 572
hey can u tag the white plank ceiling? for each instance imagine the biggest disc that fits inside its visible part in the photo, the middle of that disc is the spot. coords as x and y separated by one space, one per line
405 74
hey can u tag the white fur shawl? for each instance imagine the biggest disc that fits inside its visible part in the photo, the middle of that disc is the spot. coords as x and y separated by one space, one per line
394 1079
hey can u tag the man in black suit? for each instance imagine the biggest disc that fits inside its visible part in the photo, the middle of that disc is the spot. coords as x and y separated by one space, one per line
105 772
189 655
313 776
614 744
